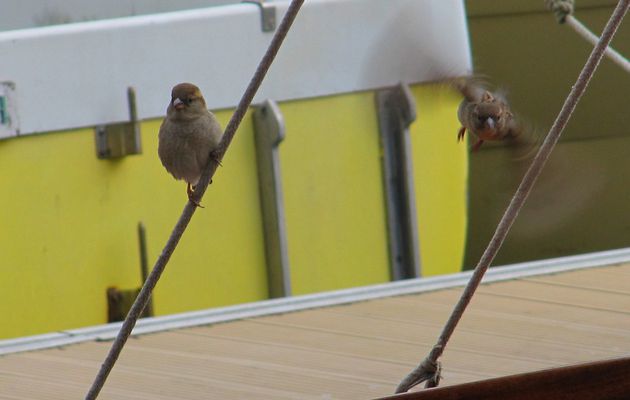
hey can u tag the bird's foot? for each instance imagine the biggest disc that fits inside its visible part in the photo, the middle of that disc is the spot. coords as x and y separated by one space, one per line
461 133
190 191
214 156
476 146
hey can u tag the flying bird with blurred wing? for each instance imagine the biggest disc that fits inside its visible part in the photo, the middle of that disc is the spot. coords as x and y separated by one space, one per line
484 114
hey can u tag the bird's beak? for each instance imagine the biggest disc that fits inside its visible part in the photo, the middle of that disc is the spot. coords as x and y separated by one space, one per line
178 104
490 122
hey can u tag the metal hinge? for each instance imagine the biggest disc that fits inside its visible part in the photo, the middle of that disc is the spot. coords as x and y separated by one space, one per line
120 139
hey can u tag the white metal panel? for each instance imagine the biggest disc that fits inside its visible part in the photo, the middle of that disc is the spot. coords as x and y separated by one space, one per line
76 75
20 14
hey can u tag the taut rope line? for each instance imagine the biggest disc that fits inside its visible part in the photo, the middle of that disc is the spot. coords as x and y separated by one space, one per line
189 209
563 10
429 368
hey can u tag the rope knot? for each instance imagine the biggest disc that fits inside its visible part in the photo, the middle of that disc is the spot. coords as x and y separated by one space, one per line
428 371
435 369
560 8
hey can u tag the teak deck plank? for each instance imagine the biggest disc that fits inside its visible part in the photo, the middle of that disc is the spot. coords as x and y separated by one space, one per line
356 351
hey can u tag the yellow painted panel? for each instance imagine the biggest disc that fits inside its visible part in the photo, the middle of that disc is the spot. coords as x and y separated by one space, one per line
68 230
441 174
333 193
68 220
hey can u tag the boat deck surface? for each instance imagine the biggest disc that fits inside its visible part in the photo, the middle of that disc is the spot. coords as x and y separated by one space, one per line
354 351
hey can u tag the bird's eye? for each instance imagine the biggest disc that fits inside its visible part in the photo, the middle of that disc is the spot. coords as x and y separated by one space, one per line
189 100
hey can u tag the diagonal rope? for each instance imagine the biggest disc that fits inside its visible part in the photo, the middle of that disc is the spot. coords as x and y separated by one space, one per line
563 11
429 368
189 209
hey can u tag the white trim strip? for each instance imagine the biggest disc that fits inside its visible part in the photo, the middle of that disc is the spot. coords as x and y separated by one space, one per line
297 303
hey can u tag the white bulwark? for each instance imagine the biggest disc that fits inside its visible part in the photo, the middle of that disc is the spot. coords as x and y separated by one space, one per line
76 75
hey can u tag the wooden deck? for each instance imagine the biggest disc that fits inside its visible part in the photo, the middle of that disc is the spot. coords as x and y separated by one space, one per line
356 351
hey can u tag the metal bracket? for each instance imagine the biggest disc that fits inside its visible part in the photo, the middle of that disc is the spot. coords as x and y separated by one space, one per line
269 132
396 111
8 111
119 301
121 139
267 14
144 265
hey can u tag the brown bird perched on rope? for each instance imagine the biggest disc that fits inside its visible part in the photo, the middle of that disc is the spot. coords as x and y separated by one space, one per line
189 136
485 114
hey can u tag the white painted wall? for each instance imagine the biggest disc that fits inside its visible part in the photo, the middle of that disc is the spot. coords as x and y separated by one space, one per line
76 75
22 14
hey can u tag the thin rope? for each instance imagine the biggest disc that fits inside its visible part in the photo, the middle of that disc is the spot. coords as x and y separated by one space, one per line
430 367
189 209
563 11
612 54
